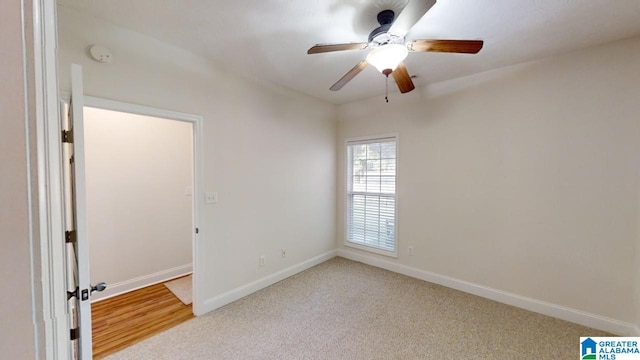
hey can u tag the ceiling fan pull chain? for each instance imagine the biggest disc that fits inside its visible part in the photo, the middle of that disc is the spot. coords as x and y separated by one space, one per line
386 89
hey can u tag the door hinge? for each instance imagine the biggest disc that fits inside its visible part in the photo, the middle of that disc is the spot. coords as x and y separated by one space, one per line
67 136
72 294
74 334
70 236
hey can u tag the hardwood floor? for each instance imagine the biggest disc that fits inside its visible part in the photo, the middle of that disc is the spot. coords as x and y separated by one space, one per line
126 319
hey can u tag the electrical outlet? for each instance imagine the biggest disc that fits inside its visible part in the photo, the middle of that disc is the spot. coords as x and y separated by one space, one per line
263 260
410 251
211 197
283 253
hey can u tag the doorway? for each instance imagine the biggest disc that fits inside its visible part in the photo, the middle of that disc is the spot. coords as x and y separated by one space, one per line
142 169
139 191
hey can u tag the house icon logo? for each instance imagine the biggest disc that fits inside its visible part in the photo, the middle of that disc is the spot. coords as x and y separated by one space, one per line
588 349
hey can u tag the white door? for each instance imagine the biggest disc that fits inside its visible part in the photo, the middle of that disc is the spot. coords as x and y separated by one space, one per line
80 289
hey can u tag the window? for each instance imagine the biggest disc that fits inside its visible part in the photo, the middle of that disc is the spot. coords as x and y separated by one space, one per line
371 194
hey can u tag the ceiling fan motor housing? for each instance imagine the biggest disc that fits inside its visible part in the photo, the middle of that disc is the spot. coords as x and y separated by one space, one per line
380 35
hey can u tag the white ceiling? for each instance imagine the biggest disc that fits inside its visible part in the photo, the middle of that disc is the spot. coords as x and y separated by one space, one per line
268 39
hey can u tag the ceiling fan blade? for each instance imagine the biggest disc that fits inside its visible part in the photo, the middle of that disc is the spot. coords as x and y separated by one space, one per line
450 46
402 78
323 48
348 76
410 15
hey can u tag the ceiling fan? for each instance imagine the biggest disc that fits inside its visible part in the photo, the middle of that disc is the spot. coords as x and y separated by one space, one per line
387 46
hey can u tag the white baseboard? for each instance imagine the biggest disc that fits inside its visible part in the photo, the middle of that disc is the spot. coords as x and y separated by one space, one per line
240 292
541 307
140 282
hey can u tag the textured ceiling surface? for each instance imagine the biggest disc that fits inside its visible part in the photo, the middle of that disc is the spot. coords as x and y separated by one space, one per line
268 39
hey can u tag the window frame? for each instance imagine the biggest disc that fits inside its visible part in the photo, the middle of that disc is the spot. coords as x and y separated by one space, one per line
364 140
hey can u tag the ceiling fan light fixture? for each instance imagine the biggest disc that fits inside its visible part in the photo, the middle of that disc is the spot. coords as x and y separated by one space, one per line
387 57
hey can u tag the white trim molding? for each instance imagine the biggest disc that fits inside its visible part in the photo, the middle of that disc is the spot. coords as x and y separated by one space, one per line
142 281
538 306
242 291
49 275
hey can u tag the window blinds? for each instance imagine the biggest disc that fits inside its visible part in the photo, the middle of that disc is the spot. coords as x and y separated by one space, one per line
371 193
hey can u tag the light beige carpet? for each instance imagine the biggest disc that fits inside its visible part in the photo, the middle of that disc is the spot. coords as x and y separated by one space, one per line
342 309
181 288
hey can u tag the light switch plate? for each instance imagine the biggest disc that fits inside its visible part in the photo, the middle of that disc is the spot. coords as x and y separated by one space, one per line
211 197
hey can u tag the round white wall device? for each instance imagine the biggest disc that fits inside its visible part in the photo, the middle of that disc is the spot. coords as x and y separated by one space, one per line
101 54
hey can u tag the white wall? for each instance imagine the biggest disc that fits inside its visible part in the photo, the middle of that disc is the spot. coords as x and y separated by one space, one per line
139 217
268 152
17 332
523 180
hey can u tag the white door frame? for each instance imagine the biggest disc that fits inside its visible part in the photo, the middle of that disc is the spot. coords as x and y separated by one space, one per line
198 172
49 306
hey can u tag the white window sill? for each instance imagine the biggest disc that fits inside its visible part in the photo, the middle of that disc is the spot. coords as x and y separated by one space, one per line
393 254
